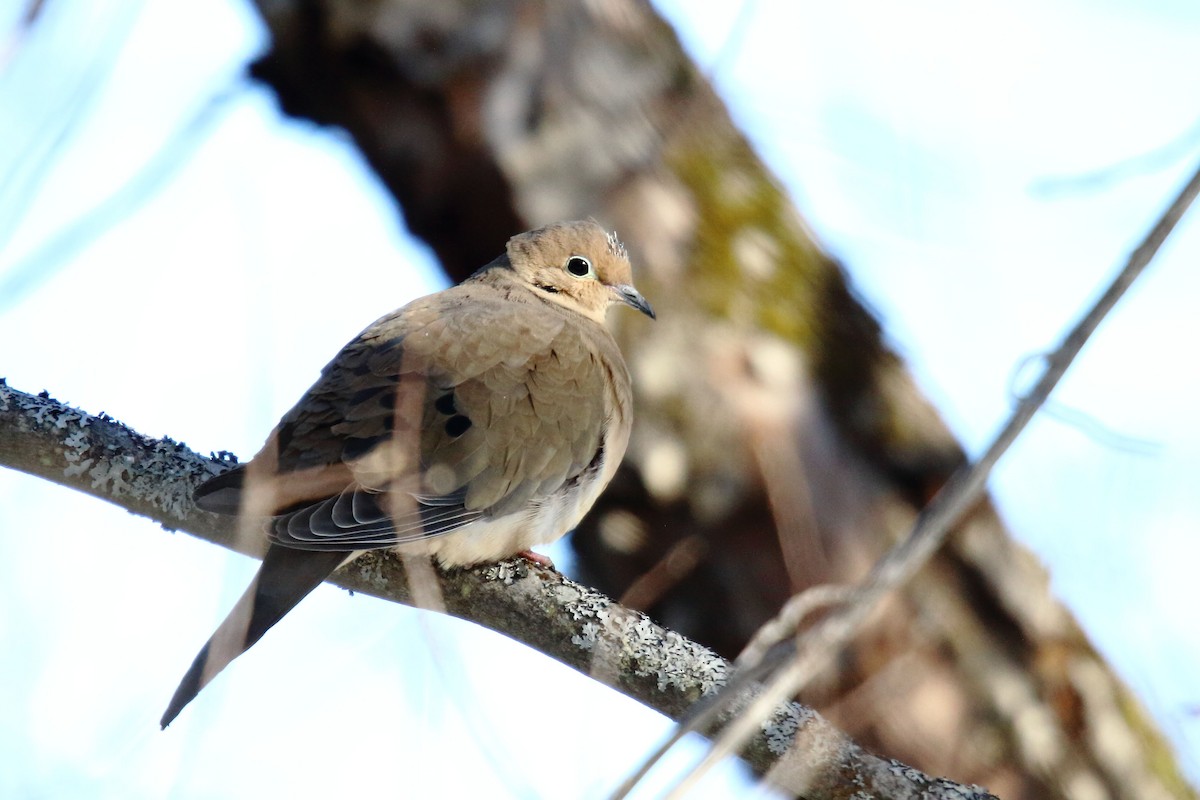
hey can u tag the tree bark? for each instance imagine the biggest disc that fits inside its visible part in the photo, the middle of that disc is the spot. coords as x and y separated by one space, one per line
779 444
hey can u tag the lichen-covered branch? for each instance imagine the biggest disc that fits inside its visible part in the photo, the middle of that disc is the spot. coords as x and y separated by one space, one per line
576 625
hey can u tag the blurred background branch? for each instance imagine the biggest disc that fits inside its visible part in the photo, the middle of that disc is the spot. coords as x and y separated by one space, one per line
805 654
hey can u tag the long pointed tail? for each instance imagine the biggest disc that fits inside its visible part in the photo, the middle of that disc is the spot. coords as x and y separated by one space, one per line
284 579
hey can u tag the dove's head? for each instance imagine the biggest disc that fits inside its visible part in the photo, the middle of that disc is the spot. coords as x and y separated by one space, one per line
578 265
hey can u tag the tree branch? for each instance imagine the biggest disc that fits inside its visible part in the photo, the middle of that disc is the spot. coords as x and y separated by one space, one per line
569 622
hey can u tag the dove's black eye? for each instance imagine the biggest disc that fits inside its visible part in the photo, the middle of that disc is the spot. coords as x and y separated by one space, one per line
579 266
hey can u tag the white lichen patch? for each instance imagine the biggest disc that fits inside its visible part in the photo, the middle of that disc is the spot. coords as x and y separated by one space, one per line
78 467
46 413
112 476
781 727
513 569
647 649
589 634
113 461
159 482
906 773
369 567
581 603
77 442
49 414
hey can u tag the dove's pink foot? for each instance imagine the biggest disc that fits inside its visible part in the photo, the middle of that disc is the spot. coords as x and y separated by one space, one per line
537 558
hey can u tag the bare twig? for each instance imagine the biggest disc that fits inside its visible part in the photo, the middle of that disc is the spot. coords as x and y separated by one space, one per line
788 620
735 38
35 159
20 32
1082 421
40 265
1158 158
961 492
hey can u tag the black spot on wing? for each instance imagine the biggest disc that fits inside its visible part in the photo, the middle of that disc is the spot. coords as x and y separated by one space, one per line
445 404
457 425
356 447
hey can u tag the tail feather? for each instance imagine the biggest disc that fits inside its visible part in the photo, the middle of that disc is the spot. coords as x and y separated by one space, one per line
222 494
285 578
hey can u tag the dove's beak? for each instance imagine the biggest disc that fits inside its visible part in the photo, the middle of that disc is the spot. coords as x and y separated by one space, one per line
632 297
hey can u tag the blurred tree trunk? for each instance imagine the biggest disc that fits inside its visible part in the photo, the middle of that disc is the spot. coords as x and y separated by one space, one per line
779 443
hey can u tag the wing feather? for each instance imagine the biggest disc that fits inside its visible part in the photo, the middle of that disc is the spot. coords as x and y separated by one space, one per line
462 406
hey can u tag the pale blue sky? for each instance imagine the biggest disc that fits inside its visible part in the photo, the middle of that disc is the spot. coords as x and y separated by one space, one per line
924 144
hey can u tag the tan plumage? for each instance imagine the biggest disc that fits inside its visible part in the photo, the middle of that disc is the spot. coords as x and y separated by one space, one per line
469 425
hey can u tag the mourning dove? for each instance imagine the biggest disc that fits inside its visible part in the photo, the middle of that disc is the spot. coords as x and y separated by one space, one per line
469 425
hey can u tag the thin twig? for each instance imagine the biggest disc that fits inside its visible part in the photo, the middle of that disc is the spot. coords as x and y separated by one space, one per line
1082 421
38 266
788 620
961 492
33 161
734 39
769 648
1154 160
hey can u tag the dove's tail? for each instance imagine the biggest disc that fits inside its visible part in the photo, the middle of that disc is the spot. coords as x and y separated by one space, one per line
284 579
